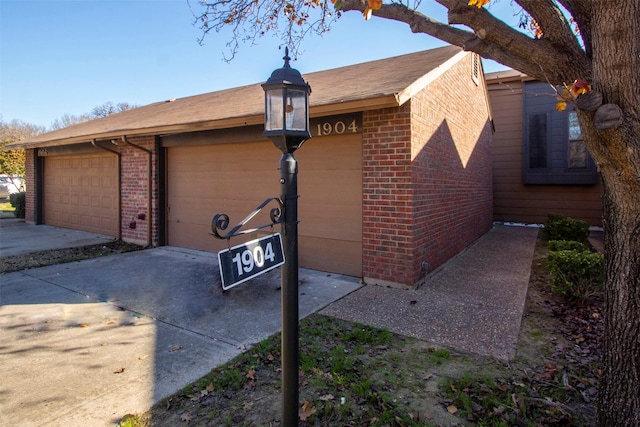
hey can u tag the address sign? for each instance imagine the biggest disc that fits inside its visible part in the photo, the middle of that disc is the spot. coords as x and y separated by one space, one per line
248 260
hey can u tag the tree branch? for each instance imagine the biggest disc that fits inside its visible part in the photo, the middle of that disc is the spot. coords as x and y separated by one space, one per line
554 25
493 39
581 11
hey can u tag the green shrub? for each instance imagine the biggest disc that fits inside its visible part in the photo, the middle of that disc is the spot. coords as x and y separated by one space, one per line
576 274
18 202
559 227
567 245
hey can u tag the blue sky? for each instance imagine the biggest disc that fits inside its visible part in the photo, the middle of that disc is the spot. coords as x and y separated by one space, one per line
68 56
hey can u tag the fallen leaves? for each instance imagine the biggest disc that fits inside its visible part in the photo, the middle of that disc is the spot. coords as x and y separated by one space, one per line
175 348
118 371
307 410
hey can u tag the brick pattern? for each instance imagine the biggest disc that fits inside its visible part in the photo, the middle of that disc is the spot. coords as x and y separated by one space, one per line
426 179
387 224
134 191
30 177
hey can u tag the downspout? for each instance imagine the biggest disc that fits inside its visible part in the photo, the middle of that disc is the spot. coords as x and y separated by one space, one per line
93 142
149 184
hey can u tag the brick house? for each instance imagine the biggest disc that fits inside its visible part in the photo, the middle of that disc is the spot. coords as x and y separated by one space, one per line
540 162
395 180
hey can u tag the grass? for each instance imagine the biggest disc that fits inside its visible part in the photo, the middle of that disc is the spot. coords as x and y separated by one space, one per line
6 210
350 374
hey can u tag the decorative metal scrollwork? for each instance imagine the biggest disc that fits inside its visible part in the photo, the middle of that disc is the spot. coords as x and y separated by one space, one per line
220 221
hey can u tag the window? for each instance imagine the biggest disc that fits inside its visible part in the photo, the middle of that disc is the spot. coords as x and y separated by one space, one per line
554 151
578 156
538 141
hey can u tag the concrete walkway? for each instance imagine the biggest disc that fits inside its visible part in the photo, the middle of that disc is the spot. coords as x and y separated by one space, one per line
473 304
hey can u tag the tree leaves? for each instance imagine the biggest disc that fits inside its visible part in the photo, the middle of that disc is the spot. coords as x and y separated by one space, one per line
571 93
478 3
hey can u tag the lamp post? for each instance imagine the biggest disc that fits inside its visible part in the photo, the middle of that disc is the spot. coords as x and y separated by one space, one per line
286 123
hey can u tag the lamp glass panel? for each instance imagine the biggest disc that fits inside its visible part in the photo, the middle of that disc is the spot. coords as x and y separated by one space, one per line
296 109
274 113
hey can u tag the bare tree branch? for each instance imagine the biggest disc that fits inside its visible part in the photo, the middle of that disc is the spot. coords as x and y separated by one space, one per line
581 11
554 24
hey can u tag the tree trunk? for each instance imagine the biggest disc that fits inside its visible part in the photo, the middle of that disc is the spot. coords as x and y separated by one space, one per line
616 69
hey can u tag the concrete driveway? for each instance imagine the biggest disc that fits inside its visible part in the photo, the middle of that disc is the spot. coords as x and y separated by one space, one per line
87 342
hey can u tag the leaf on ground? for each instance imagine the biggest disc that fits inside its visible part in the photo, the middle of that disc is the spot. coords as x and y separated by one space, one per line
251 374
144 356
326 397
452 409
210 387
186 417
83 325
306 411
241 347
118 371
175 348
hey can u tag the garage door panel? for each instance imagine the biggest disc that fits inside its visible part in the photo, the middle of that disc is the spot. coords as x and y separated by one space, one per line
79 197
331 255
333 222
236 178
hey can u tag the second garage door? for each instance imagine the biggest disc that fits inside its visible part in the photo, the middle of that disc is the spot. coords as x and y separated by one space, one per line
235 178
81 192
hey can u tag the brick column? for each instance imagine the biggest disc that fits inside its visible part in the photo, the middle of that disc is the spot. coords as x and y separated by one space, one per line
387 224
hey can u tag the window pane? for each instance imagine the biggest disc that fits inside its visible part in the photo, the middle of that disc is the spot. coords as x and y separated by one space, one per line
537 141
274 110
296 110
577 154
574 126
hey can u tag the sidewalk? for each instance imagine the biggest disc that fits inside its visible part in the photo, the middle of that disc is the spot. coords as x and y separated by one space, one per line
473 304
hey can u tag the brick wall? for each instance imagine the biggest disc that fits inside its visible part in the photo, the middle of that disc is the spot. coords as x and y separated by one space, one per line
134 191
426 170
452 167
30 197
387 224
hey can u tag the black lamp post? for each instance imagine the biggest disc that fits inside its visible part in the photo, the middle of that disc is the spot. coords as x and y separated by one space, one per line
286 123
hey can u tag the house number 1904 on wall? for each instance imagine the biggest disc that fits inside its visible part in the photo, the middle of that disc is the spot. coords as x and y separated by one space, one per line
336 125
338 128
248 260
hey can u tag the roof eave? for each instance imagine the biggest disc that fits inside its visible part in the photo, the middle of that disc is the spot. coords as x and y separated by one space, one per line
345 107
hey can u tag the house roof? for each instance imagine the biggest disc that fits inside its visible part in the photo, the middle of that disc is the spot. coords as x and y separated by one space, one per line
505 76
378 84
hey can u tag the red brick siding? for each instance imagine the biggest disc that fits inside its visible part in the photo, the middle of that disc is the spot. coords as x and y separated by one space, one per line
31 182
387 241
452 167
426 178
134 191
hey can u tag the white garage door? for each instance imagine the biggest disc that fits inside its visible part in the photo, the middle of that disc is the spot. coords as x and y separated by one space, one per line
236 178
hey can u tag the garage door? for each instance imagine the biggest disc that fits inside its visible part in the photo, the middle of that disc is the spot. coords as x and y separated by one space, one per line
235 178
81 192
